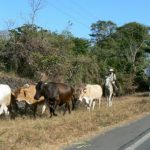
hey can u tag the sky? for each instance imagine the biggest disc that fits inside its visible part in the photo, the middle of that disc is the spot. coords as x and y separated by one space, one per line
74 15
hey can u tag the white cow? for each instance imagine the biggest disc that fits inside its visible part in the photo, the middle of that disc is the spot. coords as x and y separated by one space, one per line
90 94
5 98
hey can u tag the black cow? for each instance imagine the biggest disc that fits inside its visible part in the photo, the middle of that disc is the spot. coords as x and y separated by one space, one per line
55 94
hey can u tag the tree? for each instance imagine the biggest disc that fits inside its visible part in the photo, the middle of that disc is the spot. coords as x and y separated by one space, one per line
36 6
101 30
131 39
18 50
81 45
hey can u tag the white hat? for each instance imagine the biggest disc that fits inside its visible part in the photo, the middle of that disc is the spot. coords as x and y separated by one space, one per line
111 70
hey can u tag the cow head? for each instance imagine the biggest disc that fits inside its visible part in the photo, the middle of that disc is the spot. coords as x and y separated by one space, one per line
21 94
82 94
25 93
39 90
77 92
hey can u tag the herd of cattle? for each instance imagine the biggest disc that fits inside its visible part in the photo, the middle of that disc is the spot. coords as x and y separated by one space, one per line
49 95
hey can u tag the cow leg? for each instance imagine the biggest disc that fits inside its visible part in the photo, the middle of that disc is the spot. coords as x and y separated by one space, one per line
34 110
99 100
1 110
67 106
53 105
54 113
73 103
6 110
51 111
13 109
25 109
65 109
43 108
54 108
48 103
93 106
90 104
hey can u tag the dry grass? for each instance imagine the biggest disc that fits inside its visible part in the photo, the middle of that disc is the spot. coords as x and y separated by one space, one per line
50 134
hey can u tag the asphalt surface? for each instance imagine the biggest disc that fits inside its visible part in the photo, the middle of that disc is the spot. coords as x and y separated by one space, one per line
144 146
120 138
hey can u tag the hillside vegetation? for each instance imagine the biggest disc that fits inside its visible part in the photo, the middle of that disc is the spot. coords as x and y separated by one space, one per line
13 80
29 50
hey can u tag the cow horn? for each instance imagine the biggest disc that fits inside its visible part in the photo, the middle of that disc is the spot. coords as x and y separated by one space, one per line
26 85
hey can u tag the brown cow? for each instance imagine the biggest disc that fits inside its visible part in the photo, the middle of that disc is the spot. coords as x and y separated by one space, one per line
55 94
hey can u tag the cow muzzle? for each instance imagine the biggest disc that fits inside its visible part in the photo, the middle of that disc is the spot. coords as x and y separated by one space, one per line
36 97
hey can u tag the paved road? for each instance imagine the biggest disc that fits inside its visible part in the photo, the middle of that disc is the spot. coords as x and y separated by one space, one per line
126 137
144 146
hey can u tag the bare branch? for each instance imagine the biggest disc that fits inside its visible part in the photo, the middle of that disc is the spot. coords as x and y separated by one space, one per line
9 23
36 6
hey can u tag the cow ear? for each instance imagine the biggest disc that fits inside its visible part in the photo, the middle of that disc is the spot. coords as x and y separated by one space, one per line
84 90
26 85
80 91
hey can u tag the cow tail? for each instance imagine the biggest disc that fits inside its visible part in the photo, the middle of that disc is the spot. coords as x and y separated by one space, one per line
73 98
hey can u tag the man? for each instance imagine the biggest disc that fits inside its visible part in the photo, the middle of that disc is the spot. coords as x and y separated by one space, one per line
112 76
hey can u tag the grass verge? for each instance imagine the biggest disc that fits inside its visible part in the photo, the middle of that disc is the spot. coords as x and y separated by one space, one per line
52 133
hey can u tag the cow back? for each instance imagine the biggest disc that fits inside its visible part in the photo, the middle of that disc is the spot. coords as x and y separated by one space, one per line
5 94
94 91
61 91
65 91
26 94
54 91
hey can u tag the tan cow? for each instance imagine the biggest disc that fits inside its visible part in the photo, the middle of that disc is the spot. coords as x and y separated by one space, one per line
90 94
26 93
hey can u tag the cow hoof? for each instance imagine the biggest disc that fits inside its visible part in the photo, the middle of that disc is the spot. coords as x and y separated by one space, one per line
55 114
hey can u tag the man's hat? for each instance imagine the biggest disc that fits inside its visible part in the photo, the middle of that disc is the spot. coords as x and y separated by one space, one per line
111 70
